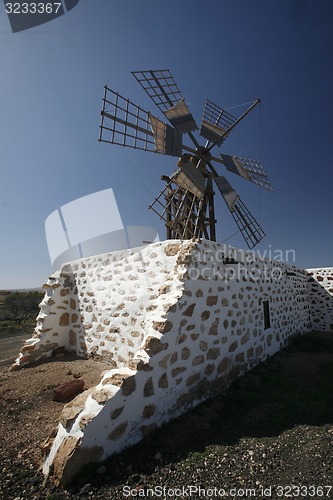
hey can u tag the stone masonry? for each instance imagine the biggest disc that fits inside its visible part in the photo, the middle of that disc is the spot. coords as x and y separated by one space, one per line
177 322
320 283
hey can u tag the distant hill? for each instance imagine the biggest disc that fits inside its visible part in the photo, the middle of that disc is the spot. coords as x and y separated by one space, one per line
15 290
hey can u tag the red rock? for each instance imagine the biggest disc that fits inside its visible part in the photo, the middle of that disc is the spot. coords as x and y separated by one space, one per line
68 390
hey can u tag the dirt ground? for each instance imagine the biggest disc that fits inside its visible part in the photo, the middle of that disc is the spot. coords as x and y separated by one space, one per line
27 408
291 389
10 347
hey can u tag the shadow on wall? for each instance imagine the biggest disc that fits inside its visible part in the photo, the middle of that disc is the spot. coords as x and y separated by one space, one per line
320 286
292 388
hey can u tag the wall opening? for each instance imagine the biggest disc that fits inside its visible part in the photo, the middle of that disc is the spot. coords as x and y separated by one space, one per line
267 317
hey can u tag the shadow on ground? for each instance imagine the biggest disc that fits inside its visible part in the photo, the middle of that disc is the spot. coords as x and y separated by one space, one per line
292 388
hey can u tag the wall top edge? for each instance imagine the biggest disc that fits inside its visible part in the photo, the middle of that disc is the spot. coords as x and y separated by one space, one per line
202 244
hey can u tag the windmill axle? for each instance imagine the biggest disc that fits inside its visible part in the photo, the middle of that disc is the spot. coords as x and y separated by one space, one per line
204 154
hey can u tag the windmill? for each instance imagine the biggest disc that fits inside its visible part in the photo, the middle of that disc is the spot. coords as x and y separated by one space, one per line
186 204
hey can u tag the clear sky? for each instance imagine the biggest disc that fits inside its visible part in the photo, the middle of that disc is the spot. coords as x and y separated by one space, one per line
230 51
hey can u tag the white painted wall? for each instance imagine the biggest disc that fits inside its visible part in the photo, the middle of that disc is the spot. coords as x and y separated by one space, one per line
320 283
176 323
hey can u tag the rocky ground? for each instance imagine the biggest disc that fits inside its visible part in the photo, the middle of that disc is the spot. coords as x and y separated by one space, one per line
269 436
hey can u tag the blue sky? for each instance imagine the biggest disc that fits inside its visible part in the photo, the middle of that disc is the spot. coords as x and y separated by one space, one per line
229 51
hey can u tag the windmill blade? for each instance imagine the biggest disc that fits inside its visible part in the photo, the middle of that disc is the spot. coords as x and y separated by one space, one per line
128 125
215 123
163 90
246 223
251 170
189 177
192 181
167 140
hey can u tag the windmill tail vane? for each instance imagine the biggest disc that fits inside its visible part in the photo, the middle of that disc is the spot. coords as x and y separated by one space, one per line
186 204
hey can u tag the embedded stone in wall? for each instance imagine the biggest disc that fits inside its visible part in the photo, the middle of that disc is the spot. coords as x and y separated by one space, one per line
128 386
148 388
162 326
233 346
117 412
212 300
148 411
153 345
163 381
213 353
118 432
189 311
64 319
214 328
171 341
321 298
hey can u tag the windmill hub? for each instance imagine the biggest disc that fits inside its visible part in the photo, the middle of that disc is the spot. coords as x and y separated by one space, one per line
204 154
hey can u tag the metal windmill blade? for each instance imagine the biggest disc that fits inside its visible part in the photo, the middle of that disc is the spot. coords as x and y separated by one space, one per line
163 90
215 123
246 223
186 204
250 170
126 124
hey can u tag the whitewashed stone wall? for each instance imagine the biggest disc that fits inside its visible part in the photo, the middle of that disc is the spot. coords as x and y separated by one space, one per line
99 306
321 298
59 325
176 321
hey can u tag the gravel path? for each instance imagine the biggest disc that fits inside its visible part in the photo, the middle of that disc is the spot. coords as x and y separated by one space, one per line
269 434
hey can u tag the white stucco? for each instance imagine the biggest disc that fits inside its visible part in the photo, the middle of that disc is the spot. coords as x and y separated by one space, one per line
177 322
